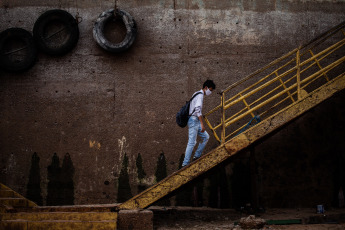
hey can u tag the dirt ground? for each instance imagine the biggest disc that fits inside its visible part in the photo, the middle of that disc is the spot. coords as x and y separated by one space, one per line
206 218
221 226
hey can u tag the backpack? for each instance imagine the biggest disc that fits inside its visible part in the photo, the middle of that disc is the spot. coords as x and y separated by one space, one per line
182 116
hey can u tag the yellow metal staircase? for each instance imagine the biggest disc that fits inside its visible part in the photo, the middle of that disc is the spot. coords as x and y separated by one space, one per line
273 95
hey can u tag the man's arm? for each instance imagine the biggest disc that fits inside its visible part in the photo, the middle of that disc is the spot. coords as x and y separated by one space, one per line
202 124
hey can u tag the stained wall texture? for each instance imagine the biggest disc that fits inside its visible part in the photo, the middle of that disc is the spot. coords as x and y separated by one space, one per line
98 107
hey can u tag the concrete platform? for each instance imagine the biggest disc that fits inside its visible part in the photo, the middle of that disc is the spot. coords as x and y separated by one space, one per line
190 217
135 220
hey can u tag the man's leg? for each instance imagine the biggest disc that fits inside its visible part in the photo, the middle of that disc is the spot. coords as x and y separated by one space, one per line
204 139
193 127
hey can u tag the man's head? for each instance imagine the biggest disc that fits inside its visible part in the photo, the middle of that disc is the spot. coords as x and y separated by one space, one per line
208 87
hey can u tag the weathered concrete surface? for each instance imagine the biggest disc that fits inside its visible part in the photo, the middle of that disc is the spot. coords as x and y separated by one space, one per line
45 216
135 220
97 106
52 225
59 220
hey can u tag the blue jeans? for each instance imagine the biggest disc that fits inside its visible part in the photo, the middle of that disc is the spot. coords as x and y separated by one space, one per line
194 130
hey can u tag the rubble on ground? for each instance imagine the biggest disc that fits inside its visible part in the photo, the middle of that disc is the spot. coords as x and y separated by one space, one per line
251 222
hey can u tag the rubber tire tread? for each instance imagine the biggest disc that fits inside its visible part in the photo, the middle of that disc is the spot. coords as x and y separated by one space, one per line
131 28
63 17
31 57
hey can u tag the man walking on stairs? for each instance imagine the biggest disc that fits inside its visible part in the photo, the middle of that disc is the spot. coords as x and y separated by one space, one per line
195 124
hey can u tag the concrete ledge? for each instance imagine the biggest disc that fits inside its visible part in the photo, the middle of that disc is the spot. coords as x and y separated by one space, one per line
57 224
135 220
67 216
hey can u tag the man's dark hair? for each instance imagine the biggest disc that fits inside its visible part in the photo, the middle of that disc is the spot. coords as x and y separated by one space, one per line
209 84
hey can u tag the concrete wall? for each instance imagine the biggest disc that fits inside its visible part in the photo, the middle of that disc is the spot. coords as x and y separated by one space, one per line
98 106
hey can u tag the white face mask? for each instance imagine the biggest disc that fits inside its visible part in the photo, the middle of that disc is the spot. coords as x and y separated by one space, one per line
208 92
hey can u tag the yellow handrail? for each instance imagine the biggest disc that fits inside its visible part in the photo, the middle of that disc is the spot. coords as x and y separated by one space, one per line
302 70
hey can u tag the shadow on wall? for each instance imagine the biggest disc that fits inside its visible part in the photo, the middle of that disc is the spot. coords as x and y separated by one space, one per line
183 197
141 174
34 184
124 189
161 173
60 186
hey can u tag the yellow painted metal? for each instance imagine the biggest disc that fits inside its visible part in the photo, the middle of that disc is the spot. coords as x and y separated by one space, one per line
339 44
223 118
213 130
284 91
284 86
298 62
260 70
15 198
264 86
294 110
266 95
318 64
247 106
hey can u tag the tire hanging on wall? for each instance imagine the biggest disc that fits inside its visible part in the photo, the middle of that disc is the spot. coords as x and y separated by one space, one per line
99 26
56 32
17 50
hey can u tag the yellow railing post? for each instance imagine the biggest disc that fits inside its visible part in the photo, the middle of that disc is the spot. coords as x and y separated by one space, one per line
318 64
246 104
223 118
298 74
284 86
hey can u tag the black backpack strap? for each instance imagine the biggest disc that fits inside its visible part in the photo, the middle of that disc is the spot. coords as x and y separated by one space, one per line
192 100
194 96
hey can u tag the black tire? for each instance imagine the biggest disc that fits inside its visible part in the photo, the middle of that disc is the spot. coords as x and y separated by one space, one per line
99 26
56 32
17 50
